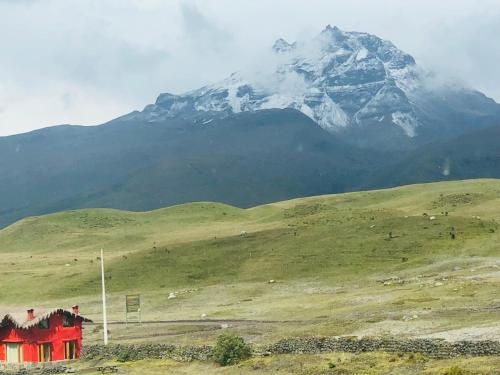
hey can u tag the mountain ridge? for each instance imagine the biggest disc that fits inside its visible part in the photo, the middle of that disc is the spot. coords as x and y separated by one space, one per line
349 83
243 159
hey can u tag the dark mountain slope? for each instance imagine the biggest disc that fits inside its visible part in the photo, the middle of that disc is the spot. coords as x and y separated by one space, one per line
472 155
243 159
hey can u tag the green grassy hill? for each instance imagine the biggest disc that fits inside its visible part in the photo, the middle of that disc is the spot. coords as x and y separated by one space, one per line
358 263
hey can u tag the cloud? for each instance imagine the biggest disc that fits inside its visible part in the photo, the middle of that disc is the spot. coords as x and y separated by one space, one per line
467 50
18 2
85 62
199 29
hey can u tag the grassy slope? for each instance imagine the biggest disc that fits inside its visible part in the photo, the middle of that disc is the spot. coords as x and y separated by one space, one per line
328 255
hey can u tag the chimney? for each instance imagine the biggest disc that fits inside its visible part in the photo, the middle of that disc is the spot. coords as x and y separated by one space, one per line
31 314
75 309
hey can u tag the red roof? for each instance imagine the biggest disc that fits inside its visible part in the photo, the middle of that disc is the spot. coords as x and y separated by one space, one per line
20 318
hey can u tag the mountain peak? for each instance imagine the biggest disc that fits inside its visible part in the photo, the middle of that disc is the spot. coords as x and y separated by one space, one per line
332 32
339 79
348 82
329 28
282 46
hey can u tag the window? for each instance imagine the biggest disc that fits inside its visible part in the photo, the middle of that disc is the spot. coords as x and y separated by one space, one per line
44 324
45 352
70 350
68 321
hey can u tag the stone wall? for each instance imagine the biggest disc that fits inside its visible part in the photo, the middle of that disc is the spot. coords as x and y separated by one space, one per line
434 348
136 352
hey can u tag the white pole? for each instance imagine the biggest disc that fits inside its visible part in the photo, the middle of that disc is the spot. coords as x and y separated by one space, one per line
104 314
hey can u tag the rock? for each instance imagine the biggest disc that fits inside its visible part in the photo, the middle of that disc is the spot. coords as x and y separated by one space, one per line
172 295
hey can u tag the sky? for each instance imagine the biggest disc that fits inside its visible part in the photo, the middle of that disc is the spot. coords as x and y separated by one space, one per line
88 61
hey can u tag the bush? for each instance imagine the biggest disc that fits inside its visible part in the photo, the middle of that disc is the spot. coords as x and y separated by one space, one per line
125 354
231 349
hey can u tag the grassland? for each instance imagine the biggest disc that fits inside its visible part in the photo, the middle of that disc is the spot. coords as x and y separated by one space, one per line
367 263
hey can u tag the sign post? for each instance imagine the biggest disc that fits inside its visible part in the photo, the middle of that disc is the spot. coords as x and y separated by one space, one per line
133 307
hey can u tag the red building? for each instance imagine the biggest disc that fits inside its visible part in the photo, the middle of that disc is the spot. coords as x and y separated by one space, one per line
40 336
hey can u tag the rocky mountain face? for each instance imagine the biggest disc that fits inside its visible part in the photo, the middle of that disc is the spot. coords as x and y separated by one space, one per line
353 84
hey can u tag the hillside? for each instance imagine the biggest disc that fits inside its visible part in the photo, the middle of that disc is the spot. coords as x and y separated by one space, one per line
473 155
243 160
358 263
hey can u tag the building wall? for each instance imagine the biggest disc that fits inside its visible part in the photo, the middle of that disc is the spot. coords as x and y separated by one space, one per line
56 334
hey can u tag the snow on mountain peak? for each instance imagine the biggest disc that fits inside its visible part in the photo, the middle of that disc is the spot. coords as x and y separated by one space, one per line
339 79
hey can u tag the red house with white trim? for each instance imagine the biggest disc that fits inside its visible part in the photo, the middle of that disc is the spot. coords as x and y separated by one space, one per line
40 336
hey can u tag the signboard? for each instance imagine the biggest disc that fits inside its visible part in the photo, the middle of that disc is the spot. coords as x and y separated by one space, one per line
133 303
133 308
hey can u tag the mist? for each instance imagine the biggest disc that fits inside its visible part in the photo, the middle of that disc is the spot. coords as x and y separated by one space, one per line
89 61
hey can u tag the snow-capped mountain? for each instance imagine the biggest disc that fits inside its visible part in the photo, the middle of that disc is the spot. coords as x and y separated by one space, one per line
351 83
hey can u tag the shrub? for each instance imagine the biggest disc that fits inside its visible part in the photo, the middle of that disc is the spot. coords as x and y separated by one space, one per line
125 354
123 357
231 349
